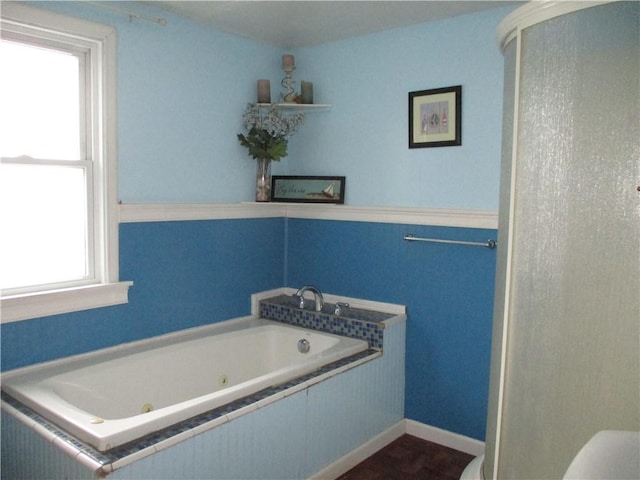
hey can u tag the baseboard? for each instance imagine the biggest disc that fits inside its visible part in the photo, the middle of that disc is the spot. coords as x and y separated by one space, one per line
354 457
444 437
411 427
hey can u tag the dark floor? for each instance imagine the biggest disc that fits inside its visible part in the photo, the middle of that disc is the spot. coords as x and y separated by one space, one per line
410 457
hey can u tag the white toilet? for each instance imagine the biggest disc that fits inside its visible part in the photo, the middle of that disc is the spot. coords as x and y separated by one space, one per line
609 454
473 471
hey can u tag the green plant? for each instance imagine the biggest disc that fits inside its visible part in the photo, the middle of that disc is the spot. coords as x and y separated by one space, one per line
268 133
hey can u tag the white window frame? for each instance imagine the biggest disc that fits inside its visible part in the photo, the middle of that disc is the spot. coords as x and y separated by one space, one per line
104 289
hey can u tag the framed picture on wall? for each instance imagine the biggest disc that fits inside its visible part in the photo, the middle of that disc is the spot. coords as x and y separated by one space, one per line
307 189
435 117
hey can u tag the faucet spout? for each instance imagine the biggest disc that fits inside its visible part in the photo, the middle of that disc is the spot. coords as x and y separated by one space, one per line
317 297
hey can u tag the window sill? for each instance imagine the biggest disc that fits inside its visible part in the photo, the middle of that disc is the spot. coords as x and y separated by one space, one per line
42 304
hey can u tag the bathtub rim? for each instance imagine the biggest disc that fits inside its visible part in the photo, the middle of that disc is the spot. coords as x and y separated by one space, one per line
103 463
112 433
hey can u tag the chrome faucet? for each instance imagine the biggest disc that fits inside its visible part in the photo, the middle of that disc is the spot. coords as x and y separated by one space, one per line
317 297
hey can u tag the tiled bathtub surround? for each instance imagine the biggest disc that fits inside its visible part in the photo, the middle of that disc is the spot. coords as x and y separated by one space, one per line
105 462
354 322
299 418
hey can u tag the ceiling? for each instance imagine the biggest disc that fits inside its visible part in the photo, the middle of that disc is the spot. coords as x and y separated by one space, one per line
291 24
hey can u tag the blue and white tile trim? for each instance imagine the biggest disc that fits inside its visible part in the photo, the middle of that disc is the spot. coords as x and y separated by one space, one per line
354 322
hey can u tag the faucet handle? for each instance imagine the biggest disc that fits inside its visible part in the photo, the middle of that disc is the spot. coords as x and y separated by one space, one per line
300 301
339 307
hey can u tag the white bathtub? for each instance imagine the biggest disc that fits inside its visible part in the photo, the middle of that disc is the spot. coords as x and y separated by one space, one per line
117 395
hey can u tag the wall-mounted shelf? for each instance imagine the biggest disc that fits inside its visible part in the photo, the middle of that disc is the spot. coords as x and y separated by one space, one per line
297 106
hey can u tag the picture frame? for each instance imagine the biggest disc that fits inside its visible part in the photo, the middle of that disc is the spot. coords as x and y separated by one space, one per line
435 117
307 189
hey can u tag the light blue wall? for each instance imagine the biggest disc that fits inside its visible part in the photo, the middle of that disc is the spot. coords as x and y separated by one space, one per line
365 135
182 89
181 92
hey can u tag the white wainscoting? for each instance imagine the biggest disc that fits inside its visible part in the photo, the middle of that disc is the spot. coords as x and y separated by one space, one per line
130 213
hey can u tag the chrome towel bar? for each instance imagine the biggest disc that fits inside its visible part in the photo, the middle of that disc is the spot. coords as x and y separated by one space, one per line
489 243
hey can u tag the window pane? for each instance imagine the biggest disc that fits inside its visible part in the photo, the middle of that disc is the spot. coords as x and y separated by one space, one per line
43 212
39 99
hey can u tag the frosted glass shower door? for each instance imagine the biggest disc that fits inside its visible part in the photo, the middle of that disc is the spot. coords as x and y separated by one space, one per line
565 363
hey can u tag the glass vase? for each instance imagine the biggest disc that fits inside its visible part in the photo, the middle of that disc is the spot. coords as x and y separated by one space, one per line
263 180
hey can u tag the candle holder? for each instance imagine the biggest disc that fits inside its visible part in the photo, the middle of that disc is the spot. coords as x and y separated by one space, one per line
287 83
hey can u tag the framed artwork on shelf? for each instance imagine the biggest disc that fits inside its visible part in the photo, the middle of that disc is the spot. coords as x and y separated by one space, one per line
435 117
307 189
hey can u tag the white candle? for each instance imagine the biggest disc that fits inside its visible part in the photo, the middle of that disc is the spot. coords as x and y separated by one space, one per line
288 61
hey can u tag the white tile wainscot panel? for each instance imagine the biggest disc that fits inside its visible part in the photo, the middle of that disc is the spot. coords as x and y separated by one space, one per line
45 460
263 444
356 406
